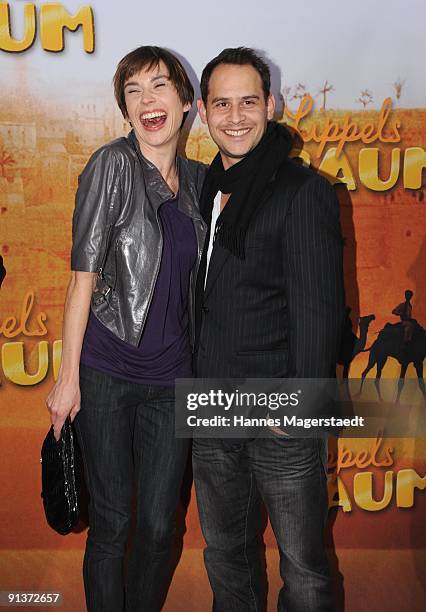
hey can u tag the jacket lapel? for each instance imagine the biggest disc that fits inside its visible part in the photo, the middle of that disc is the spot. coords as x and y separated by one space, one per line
218 259
157 189
188 198
220 255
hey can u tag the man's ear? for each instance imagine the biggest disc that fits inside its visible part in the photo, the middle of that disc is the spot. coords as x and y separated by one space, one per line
270 106
202 110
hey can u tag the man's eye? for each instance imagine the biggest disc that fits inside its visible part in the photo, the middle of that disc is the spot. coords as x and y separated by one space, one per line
221 105
248 102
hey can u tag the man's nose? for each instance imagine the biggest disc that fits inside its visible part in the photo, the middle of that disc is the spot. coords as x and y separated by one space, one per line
236 114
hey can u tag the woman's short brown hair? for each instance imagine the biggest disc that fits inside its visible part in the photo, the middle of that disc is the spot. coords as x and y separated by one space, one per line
149 57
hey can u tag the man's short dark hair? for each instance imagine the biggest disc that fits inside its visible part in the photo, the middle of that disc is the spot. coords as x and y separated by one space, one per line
148 57
241 56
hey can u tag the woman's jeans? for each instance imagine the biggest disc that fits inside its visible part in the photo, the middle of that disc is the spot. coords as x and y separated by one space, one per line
289 476
126 431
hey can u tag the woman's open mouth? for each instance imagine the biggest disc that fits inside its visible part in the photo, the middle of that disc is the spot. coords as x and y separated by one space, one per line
154 120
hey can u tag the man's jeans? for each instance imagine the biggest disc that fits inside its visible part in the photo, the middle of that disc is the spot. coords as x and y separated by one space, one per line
289 475
126 431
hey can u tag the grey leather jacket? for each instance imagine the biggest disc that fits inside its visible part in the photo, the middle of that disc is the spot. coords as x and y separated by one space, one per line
117 232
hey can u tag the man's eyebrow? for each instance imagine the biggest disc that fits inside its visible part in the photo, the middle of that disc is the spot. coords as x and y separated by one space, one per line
219 100
223 99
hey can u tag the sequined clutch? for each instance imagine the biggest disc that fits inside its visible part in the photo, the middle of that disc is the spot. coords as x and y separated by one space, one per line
60 476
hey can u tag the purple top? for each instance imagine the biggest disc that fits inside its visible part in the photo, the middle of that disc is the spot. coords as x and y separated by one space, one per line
164 351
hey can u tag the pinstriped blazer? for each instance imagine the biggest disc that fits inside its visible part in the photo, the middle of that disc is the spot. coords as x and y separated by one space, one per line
279 312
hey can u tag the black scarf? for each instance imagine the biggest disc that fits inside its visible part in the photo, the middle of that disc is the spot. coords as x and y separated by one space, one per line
246 181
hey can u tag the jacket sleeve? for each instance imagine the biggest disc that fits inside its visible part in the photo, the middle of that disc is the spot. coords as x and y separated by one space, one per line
98 190
313 260
201 175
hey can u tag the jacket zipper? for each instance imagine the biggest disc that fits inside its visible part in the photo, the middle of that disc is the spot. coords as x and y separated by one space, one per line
155 279
105 255
117 242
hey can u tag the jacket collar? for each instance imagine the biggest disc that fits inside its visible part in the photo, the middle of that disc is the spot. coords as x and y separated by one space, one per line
157 187
188 198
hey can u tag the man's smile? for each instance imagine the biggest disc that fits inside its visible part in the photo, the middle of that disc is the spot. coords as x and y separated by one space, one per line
240 132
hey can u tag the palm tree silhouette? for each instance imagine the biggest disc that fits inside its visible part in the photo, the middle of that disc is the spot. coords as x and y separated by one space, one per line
285 92
300 92
365 98
324 90
398 85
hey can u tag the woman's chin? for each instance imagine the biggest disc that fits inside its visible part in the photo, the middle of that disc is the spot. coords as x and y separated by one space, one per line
159 138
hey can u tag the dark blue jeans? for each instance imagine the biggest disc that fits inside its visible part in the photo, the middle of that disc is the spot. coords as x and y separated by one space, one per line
126 431
289 476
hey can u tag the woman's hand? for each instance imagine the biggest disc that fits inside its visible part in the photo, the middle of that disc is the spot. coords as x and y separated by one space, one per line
63 400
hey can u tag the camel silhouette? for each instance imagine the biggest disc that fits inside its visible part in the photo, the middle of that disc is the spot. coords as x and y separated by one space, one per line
390 343
352 344
2 271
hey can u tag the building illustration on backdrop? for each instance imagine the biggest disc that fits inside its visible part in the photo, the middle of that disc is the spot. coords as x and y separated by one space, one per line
44 145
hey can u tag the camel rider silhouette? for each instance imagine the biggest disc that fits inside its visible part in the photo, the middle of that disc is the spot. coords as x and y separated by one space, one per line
404 310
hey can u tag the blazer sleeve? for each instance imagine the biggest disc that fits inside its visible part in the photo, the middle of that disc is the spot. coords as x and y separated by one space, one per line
97 193
313 260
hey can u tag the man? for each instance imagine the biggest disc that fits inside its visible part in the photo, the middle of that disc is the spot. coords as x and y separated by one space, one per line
404 311
270 303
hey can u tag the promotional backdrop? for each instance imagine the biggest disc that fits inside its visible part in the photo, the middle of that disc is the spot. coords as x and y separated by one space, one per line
350 80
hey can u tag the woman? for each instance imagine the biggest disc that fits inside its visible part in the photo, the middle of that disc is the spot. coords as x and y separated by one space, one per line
137 241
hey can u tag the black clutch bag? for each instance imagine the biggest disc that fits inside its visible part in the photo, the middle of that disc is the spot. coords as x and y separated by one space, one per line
60 476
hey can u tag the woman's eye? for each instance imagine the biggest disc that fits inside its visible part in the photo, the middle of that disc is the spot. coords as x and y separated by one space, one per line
157 85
